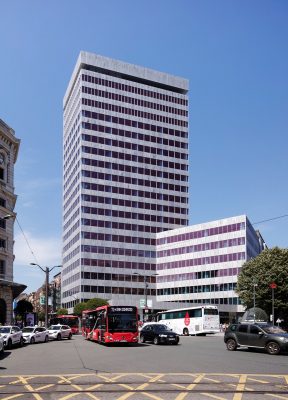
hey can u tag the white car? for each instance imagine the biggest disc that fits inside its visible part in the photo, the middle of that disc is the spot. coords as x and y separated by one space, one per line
58 332
35 334
12 335
1 345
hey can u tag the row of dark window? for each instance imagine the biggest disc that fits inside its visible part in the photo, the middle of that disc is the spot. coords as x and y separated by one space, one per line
118 251
141 170
114 290
108 212
118 277
223 287
213 273
133 204
133 157
220 244
132 110
134 227
134 181
147 137
130 145
133 89
217 230
203 261
211 300
135 193
94 262
118 238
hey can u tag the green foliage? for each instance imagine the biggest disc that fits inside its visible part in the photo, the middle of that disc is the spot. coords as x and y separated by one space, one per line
22 307
89 305
96 302
269 266
78 308
41 316
62 311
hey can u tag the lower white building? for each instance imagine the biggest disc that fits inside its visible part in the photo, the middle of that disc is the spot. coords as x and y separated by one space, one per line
199 264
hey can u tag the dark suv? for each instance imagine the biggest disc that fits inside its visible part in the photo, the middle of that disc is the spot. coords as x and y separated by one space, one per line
258 336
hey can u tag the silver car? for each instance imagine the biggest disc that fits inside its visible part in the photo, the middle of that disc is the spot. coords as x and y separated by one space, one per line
35 334
58 332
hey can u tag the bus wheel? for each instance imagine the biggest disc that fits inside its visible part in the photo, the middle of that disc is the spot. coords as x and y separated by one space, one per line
185 332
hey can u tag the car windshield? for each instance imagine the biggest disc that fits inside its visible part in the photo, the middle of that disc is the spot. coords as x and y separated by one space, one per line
272 329
27 329
4 330
54 327
161 328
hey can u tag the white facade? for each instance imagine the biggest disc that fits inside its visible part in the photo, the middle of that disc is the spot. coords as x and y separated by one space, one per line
125 174
199 264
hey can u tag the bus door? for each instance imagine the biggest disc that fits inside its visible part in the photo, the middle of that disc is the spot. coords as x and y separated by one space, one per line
103 325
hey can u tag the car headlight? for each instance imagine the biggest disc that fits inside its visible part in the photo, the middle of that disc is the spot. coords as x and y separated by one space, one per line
283 339
161 335
4 336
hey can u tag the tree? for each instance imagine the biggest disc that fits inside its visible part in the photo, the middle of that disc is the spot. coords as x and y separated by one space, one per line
62 311
256 277
78 308
22 307
89 305
96 302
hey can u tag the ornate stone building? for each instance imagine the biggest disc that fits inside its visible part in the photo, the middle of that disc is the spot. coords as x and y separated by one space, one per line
9 290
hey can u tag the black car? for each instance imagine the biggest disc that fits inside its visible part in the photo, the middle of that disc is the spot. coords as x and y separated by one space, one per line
258 336
158 333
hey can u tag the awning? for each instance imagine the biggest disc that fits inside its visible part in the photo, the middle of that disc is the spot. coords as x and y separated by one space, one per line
17 288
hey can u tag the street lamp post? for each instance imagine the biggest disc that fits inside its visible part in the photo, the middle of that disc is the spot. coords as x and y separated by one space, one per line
254 298
47 270
273 286
146 286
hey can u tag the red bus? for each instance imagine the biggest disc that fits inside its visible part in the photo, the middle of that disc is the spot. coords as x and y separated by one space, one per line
70 320
111 324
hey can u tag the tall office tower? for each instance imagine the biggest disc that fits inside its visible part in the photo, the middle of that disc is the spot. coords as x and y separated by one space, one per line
125 177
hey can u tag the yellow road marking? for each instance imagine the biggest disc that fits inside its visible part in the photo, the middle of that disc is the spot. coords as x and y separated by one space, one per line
182 396
240 387
29 388
12 397
213 396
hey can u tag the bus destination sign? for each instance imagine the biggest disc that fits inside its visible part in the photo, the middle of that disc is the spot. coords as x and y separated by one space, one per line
121 309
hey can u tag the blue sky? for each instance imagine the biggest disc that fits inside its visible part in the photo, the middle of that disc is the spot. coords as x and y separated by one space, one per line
235 55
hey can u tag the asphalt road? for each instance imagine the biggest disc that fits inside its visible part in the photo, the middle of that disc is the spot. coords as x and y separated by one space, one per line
193 355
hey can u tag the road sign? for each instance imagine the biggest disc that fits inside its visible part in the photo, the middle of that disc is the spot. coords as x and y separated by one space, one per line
142 303
273 285
42 300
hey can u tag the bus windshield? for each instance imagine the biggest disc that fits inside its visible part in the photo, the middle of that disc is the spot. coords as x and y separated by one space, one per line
120 322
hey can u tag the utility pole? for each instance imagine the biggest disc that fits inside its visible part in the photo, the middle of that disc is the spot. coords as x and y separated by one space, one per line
47 270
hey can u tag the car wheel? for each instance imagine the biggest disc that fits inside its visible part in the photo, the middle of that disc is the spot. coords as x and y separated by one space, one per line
46 339
156 340
21 342
231 345
9 344
185 332
70 336
59 336
273 348
142 339
32 340
177 341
